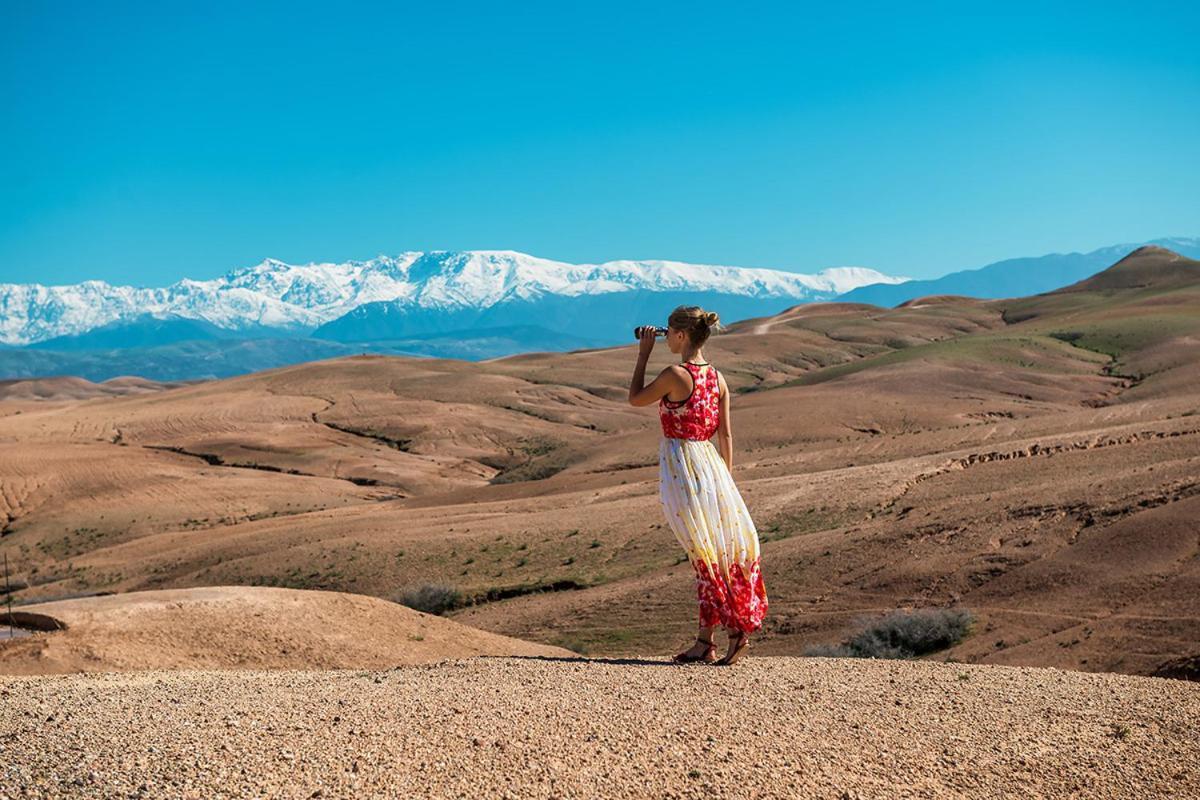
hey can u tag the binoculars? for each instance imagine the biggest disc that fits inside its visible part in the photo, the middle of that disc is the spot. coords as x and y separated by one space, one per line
658 331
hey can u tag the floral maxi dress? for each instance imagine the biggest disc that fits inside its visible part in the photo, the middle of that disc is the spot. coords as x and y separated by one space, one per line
705 510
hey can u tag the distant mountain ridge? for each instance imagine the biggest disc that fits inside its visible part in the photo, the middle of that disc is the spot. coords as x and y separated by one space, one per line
144 330
471 305
1015 277
292 300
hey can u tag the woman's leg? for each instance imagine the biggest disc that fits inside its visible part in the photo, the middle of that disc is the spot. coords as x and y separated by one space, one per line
738 640
709 612
704 641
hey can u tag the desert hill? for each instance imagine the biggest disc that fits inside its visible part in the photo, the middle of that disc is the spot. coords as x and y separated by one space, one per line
1034 460
1015 277
228 627
1149 267
71 388
551 727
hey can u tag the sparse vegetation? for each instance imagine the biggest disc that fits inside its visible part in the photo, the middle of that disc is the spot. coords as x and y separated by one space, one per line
902 634
505 592
544 457
809 520
589 641
431 598
571 643
440 598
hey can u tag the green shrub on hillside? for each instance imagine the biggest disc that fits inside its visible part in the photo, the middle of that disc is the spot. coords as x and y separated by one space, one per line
902 634
431 598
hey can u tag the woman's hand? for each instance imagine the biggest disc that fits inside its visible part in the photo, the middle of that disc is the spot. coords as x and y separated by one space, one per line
646 342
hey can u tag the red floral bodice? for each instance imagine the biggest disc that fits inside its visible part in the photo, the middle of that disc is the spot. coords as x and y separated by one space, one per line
697 416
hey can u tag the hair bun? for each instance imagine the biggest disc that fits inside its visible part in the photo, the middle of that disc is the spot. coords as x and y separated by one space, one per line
695 321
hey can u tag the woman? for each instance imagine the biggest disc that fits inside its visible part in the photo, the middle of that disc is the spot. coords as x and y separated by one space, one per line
701 502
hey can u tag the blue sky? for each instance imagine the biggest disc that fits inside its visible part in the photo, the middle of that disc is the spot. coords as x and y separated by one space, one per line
142 143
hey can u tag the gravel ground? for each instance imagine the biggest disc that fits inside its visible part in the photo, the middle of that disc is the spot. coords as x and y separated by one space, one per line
584 728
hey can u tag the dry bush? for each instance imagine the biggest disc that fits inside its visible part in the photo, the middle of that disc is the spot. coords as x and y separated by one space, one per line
431 598
902 634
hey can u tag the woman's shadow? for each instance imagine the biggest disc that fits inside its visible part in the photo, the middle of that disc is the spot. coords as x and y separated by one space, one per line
638 662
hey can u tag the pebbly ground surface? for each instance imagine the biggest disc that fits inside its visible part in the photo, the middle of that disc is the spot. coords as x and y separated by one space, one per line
543 727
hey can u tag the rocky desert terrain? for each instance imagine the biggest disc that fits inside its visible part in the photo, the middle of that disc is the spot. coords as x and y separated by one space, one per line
552 727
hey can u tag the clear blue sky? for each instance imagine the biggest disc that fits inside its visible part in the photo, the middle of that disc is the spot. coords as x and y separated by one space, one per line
144 142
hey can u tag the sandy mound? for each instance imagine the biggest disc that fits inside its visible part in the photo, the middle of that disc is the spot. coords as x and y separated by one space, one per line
576 728
225 627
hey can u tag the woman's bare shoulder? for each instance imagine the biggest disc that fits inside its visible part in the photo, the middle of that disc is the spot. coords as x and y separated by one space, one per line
676 370
679 374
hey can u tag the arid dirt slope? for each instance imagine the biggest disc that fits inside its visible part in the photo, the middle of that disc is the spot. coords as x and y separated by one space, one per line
1035 460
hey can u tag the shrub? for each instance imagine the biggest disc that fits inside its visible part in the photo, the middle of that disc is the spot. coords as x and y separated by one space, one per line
431 598
902 634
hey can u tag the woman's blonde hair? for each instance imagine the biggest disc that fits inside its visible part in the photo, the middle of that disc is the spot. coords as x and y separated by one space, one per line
695 322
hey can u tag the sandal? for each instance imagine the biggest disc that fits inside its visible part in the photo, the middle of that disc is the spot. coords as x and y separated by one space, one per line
730 658
708 657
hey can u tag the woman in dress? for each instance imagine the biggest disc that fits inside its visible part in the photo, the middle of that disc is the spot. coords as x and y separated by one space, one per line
703 506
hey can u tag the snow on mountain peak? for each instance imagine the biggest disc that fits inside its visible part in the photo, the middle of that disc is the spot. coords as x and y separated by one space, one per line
843 279
300 297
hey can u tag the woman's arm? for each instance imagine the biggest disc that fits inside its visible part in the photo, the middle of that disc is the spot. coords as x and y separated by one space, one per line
661 386
725 425
667 380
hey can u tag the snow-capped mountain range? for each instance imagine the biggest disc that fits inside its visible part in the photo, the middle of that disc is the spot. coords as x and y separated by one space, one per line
293 299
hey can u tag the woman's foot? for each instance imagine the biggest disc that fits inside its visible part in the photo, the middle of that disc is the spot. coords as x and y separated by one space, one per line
703 650
737 643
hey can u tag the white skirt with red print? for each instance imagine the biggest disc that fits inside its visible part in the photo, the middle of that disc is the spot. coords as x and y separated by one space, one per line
706 512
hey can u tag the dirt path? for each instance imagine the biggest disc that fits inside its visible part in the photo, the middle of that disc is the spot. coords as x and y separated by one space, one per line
574 728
